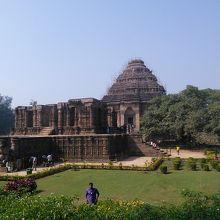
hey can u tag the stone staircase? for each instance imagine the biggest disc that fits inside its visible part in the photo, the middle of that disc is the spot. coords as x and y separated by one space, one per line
137 147
46 131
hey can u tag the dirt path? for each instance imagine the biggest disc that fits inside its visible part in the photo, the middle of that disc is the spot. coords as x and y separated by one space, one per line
188 153
136 161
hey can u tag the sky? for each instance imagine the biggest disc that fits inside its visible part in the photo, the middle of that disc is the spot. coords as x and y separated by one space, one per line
52 51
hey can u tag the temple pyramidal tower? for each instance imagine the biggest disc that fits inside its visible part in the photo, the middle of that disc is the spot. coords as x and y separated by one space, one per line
128 97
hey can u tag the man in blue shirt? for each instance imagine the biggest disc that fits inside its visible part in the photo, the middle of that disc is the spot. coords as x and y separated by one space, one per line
92 194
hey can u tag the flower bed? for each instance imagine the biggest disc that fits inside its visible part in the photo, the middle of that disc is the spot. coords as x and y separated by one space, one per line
20 186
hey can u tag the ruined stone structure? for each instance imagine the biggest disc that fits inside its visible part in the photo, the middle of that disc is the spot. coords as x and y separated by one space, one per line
79 130
128 97
77 116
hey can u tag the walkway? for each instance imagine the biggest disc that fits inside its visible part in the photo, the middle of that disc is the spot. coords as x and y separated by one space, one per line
188 153
136 161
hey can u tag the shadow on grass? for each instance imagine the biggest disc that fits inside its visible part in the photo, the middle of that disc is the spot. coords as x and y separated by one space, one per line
75 169
36 192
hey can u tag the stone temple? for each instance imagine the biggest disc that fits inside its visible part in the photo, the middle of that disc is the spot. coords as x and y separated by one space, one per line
87 129
128 97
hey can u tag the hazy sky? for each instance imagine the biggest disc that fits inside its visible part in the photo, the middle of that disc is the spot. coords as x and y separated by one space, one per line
52 51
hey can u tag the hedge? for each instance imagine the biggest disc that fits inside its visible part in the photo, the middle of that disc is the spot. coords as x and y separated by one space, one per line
61 168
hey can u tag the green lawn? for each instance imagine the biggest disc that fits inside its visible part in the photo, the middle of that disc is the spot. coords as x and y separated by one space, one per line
152 187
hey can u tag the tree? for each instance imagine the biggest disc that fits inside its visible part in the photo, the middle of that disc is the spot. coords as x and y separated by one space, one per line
6 115
191 116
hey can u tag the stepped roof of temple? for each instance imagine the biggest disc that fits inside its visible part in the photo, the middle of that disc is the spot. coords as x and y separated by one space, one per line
135 83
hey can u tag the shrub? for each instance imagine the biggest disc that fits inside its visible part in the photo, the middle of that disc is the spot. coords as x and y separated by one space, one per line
163 169
193 166
214 163
203 160
211 154
153 159
177 163
155 165
206 167
120 166
191 163
194 206
21 186
110 164
218 168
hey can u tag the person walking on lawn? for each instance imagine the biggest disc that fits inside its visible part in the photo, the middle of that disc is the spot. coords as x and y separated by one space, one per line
92 195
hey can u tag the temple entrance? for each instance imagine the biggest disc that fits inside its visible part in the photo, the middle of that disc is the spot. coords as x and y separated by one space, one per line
129 117
130 120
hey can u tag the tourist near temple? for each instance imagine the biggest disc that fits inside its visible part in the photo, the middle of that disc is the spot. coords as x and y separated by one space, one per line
87 129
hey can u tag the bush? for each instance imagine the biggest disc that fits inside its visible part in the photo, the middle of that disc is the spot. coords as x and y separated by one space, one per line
155 165
110 164
206 167
191 163
21 186
177 162
218 168
195 206
163 169
214 163
120 166
176 165
210 154
202 161
153 159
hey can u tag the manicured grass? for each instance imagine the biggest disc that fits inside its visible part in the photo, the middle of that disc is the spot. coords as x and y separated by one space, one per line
152 187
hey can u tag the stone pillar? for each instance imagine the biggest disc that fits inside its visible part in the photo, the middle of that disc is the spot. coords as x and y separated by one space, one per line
122 118
90 117
17 118
51 118
67 116
39 116
25 118
53 115
76 117
79 118
15 147
60 118
118 118
35 124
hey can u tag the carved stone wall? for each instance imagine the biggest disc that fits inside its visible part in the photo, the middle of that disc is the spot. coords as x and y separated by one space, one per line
77 116
81 148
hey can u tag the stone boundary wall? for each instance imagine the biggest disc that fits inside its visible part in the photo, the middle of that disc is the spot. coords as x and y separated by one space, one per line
83 148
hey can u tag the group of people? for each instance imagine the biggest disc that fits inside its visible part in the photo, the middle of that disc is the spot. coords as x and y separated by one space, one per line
47 161
16 165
